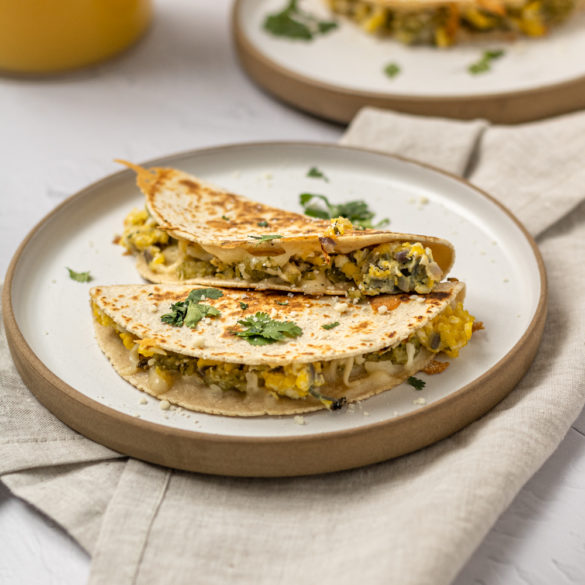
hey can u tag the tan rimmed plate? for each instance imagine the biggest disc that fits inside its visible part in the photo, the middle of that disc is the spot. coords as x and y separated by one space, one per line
335 75
50 333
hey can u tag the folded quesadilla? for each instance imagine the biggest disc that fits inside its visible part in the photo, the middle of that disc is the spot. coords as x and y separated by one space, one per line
443 23
248 353
194 231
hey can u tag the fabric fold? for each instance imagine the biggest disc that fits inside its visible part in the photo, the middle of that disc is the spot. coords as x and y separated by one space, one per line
446 144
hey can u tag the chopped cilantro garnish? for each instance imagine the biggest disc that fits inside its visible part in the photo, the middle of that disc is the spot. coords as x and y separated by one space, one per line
225 217
266 238
392 70
283 303
330 325
262 223
484 64
356 211
190 311
294 23
416 383
262 330
243 306
79 276
315 173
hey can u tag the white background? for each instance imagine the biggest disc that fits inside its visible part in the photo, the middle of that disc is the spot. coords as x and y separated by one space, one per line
179 89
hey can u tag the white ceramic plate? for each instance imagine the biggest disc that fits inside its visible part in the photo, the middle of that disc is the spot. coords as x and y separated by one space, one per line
495 258
348 61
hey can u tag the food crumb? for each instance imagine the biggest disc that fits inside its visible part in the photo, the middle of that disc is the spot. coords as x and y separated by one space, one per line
300 420
382 309
164 405
341 307
366 413
423 200
506 280
143 401
420 401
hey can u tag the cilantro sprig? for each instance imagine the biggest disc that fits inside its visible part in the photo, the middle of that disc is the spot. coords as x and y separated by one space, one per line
79 276
392 70
294 23
190 311
315 173
329 326
416 383
261 329
356 211
484 64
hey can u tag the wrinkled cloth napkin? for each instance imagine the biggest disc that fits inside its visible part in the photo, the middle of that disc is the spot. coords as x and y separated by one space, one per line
414 520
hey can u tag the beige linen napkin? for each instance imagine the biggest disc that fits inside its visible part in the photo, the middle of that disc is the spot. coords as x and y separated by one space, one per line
414 520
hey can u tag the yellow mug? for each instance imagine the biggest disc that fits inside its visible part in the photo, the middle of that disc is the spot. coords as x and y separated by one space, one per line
48 36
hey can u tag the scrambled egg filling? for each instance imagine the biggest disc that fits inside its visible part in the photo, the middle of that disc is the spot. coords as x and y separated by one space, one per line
448 332
439 25
382 269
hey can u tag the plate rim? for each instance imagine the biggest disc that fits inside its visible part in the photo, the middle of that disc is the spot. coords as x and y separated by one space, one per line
60 397
258 65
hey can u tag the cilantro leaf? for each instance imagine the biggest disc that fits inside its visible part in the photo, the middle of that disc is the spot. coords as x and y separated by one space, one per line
294 23
266 238
262 223
197 311
416 383
198 294
190 311
315 173
484 64
243 306
356 211
79 276
262 330
392 70
330 325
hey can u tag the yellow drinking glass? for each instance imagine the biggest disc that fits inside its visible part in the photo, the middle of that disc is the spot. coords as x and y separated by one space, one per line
48 36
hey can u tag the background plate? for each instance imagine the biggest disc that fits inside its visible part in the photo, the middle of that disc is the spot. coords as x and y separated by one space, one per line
336 74
49 325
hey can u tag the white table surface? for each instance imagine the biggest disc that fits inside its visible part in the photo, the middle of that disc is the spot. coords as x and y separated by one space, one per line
178 89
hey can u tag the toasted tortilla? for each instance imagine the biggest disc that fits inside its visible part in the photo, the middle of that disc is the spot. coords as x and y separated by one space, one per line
363 328
226 226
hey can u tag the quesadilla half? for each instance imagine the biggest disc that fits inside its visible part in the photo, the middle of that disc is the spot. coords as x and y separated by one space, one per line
194 231
249 353
443 23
